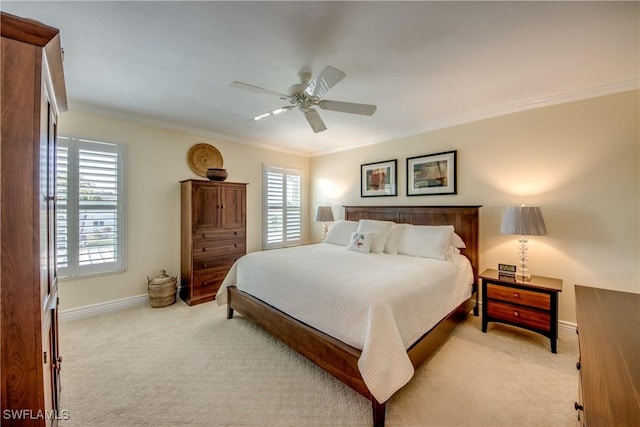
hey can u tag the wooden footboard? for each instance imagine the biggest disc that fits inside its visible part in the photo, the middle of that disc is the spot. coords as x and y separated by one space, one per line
334 356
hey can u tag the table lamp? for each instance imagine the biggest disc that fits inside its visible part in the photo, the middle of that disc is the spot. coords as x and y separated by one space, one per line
324 214
523 221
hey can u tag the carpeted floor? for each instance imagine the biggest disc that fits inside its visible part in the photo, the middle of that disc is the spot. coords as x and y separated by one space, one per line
183 365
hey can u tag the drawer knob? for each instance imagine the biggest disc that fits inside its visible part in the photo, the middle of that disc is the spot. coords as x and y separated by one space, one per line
516 295
516 314
578 366
578 406
235 245
235 232
205 283
204 249
204 235
205 265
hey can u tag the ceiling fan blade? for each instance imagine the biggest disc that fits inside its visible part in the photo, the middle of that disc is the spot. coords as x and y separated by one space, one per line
314 120
256 89
273 113
347 107
328 78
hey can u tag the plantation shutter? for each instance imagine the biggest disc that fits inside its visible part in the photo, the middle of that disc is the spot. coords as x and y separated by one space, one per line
282 210
90 211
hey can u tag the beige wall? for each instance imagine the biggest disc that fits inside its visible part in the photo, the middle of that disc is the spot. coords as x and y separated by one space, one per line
156 161
578 161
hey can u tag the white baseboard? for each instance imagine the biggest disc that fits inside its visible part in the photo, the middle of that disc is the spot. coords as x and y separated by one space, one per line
143 299
102 308
567 325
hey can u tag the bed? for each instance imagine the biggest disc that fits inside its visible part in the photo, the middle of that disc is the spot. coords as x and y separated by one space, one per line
373 360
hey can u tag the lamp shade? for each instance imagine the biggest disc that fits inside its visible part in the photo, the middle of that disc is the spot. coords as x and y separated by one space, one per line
523 221
324 213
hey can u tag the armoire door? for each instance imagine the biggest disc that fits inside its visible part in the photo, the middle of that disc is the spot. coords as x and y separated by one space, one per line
233 206
206 207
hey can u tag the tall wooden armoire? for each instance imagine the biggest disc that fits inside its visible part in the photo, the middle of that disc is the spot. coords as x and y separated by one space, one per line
33 95
213 235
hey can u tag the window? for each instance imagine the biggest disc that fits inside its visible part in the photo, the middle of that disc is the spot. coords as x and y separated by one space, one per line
282 207
90 207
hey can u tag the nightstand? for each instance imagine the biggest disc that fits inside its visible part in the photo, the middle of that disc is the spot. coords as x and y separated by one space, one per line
530 304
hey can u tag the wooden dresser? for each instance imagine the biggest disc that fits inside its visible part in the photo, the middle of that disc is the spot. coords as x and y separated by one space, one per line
33 95
609 364
213 232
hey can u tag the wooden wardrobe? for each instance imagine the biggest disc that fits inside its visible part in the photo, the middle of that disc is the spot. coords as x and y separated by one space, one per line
213 235
33 95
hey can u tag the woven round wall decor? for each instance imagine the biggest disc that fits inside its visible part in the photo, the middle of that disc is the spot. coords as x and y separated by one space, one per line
202 157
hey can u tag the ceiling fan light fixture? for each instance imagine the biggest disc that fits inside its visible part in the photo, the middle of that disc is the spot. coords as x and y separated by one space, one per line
261 116
271 113
307 93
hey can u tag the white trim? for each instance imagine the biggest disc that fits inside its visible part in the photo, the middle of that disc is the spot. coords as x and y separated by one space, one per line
442 124
563 324
129 117
493 112
103 308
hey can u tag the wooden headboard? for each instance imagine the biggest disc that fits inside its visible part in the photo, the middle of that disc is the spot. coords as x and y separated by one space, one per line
465 220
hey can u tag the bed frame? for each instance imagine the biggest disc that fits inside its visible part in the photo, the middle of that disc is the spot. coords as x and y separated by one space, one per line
340 359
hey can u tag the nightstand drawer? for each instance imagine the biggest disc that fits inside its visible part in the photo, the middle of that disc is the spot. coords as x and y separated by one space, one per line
519 296
519 315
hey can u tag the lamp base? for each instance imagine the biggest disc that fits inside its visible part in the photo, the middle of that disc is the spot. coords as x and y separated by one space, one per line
325 230
523 272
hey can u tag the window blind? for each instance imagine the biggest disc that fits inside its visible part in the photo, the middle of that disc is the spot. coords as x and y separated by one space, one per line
90 211
282 210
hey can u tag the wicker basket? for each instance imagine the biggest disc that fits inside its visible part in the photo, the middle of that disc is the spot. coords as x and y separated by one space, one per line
162 290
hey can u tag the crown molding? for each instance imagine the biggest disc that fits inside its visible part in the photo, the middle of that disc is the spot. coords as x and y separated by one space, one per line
436 125
495 112
180 128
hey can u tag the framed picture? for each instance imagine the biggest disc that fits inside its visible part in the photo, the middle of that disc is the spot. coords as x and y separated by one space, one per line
432 174
379 179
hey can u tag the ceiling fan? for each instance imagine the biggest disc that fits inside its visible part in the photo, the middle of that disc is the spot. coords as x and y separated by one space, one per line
307 94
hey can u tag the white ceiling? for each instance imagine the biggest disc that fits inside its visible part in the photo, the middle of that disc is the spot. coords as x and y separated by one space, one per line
425 64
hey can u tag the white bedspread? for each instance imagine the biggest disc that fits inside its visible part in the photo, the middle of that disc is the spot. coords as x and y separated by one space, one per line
378 303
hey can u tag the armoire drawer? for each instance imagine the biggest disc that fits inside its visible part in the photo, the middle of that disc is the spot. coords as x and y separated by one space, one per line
208 265
208 248
209 283
219 234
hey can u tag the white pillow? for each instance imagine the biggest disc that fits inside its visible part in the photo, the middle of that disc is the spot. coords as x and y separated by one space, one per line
340 232
452 250
391 245
426 241
361 242
381 230
457 241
